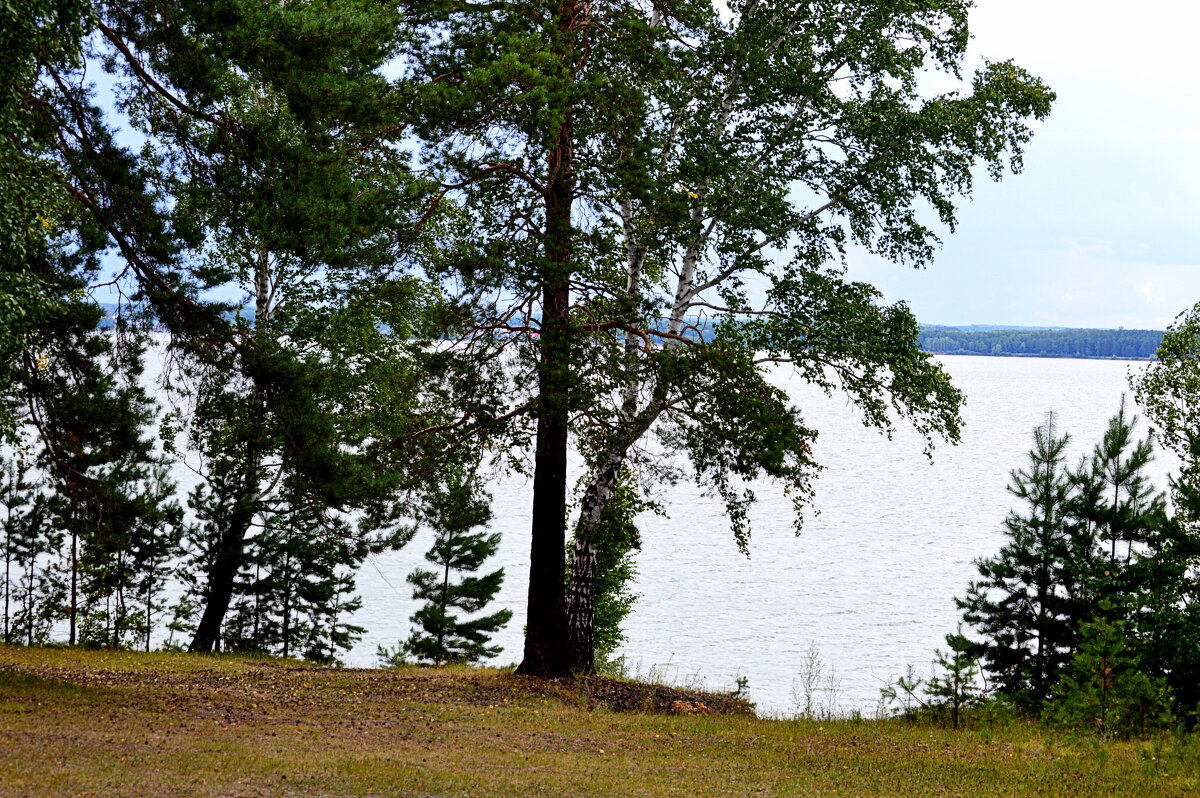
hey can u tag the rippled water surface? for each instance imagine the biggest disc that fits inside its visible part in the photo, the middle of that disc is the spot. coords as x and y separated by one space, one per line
869 585
870 582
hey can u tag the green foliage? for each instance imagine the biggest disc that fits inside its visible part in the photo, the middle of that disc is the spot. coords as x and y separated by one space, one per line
625 167
1104 691
295 587
1023 604
1089 610
29 590
442 636
33 202
1169 391
954 689
617 540
102 526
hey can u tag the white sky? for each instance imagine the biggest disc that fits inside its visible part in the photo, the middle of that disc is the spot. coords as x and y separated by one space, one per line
1102 229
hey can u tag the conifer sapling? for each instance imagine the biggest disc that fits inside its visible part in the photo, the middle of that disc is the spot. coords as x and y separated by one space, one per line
442 635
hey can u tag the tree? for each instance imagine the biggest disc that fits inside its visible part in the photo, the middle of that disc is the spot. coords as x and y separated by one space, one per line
33 204
1114 492
1104 691
270 166
617 538
950 689
23 526
441 636
1065 574
1023 602
1169 392
954 688
629 168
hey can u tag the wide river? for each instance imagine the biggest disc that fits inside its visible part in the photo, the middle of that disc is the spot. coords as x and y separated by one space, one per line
869 585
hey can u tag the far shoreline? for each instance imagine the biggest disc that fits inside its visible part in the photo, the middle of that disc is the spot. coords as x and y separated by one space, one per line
1042 356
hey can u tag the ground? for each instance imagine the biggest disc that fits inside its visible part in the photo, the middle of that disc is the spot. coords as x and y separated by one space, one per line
123 724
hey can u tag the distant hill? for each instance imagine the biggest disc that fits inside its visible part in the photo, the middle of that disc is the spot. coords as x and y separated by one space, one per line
1040 342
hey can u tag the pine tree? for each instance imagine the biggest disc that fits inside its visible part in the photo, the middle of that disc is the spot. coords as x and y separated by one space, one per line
442 636
1022 604
296 585
1104 690
1113 492
24 528
1164 622
954 688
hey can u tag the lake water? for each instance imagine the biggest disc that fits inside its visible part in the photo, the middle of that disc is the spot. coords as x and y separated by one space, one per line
868 587
870 584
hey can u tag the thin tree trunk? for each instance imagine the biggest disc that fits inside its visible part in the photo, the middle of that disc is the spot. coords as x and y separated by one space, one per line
287 605
441 633
257 602
7 571
74 582
149 602
581 589
581 586
30 598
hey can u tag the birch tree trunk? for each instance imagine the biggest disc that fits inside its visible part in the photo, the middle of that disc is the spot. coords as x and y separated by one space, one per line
581 585
633 423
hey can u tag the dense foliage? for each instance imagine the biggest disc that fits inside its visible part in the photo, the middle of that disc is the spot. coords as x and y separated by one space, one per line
568 262
442 633
1088 615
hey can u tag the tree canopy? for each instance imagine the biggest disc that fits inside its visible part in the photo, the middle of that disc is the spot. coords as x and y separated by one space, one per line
562 224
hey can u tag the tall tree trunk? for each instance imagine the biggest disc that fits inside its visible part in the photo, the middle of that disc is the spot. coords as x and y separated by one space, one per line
149 603
287 606
442 602
30 600
231 547
546 621
581 585
74 583
221 577
7 570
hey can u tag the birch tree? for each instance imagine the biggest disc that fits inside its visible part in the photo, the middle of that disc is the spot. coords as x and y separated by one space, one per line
799 130
661 194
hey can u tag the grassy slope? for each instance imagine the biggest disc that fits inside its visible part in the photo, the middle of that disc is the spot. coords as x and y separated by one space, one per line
101 723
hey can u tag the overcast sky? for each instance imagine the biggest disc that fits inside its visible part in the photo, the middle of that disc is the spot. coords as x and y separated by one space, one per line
1102 229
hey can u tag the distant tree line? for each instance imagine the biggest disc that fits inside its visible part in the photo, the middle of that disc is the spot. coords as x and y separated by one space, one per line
1130 344
1089 614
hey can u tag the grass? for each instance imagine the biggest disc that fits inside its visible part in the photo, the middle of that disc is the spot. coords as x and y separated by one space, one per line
117 723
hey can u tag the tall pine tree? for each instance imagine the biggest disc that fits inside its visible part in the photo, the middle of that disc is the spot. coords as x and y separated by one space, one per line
1022 604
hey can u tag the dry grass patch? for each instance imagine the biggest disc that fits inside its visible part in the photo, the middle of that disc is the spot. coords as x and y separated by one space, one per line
115 724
